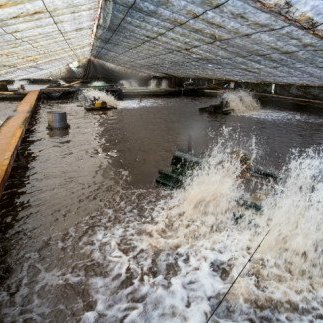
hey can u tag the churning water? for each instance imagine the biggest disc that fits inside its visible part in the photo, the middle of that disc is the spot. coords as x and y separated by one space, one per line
152 84
164 84
242 102
86 95
129 84
143 254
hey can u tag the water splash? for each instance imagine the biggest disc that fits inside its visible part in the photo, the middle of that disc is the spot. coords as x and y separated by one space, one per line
296 210
154 255
62 82
140 103
164 84
98 83
152 84
18 85
129 84
241 102
86 95
284 281
210 191
182 263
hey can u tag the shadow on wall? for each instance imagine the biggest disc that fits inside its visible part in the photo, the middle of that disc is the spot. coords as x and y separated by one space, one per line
99 70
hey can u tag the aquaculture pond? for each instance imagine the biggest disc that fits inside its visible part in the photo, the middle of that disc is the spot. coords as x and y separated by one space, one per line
87 235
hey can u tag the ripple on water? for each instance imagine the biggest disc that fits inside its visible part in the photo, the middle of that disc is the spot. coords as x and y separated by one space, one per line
123 250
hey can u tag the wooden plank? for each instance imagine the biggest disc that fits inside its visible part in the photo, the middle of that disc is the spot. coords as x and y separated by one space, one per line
11 134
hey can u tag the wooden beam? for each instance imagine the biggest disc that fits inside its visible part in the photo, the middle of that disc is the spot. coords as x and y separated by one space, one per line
11 134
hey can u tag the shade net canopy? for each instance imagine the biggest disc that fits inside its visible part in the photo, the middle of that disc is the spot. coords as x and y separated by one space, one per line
39 38
276 41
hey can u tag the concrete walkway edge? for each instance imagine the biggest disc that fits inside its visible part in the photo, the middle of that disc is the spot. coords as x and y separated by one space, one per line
11 134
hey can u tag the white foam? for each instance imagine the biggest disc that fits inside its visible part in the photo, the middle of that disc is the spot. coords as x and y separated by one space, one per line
242 102
142 103
88 94
152 84
129 84
17 85
284 116
113 153
285 278
170 256
98 83
164 84
186 259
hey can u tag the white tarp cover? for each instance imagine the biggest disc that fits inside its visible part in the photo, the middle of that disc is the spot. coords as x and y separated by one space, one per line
277 41
40 37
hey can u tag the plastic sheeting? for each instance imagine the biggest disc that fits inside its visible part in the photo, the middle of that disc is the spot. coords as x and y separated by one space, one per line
275 41
272 41
39 38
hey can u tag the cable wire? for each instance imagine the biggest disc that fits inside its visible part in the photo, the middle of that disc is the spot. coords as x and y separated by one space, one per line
121 21
176 26
245 265
72 50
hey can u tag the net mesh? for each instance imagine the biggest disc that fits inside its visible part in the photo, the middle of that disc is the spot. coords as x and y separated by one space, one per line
277 41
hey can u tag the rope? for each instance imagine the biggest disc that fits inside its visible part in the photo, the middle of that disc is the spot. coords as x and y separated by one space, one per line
165 32
207 44
176 26
245 265
22 40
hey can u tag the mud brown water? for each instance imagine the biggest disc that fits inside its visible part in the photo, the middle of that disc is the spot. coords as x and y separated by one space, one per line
65 183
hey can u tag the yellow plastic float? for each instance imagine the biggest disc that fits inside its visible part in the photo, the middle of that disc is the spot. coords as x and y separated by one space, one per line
100 105
97 105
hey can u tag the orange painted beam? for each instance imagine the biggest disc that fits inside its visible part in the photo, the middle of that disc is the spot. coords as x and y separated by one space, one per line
11 134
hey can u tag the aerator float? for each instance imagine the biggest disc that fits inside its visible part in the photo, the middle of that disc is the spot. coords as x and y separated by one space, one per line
182 163
220 108
96 105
